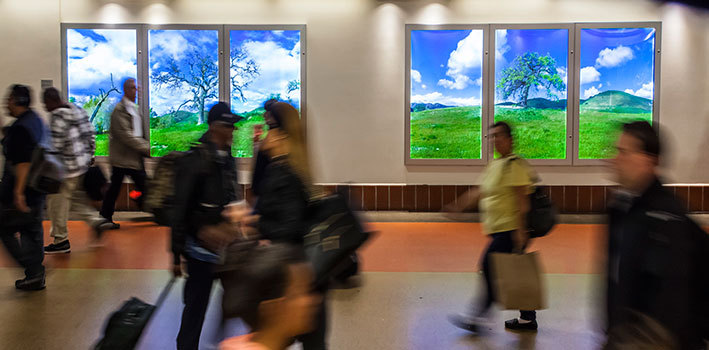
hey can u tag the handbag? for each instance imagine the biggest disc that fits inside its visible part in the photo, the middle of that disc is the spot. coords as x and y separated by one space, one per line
542 214
517 281
46 173
335 233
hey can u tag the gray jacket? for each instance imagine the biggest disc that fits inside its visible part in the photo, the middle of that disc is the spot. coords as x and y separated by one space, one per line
125 149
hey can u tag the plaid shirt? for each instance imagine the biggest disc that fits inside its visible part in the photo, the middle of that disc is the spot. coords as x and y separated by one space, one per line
73 138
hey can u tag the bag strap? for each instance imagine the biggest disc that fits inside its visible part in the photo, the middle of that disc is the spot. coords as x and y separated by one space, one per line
533 176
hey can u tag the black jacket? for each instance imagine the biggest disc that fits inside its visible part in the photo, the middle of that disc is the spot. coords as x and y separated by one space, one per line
19 143
283 204
205 182
658 266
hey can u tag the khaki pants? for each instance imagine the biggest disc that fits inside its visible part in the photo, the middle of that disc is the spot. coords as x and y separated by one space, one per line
71 197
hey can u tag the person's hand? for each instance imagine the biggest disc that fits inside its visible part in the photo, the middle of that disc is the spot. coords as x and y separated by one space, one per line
520 238
177 270
236 213
21 203
264 242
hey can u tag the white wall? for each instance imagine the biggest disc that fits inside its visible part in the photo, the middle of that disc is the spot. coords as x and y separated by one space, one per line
355 69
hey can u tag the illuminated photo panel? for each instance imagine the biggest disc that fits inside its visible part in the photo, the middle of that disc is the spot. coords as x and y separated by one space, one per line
184 83
531 68
264 64
617 85
446 94
98 61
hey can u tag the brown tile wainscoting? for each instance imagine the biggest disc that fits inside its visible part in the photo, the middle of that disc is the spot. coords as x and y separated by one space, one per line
431 198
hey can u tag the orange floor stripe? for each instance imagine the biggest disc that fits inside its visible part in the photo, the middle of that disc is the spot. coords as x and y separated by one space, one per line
397 247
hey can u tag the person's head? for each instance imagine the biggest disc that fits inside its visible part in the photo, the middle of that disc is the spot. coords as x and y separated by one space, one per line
130 89
18 100
285 136
221 124
638 155
271 289
52 99
501 133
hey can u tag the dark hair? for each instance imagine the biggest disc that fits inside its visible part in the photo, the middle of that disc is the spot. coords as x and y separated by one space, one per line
51 94
21 95
647 134
268 105
505 127
261 274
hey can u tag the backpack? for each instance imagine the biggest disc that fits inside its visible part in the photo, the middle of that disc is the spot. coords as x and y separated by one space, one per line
162 188
542 214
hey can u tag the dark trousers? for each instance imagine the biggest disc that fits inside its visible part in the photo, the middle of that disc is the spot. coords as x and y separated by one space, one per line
28 251
501 243
316 340
117 175
198 288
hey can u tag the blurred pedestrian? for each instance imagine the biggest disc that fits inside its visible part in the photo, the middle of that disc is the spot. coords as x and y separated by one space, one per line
73 138
286 192
127 148
658 272
21 206
503 200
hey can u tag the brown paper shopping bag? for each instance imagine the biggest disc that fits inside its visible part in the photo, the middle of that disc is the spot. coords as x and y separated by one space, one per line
517 281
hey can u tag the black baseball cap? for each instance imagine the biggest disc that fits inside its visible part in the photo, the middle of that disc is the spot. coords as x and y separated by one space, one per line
221 112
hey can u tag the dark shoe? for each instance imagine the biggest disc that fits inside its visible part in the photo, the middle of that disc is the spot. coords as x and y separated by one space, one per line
110 225
514 324
465 323
30 284
58 248
103 226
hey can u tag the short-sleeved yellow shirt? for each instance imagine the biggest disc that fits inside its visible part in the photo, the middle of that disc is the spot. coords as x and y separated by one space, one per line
499 205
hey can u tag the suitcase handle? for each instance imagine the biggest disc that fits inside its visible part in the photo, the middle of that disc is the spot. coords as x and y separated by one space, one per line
165 292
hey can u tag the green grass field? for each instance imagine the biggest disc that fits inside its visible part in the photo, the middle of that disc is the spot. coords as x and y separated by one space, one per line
599 130
454 133
447 133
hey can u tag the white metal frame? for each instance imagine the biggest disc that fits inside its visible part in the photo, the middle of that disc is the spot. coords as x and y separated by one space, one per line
577 76
407 93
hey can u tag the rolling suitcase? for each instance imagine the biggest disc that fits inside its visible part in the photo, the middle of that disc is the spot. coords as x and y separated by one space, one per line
125 326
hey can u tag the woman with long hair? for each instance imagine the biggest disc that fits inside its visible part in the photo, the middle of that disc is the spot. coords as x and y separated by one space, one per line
286 192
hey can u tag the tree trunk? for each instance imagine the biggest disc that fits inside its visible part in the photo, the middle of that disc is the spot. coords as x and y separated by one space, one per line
525 95
200 120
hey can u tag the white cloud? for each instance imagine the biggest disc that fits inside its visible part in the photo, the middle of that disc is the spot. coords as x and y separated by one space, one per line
423 86
590 92
645 91
609 58
93 61
589 75
467 56
437 97
415 76
170 42
277 66
501 47
563 73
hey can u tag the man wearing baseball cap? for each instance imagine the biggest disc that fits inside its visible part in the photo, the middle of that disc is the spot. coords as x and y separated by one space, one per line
205 183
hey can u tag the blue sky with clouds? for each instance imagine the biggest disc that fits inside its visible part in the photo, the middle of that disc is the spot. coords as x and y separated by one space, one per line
617 59
510 43
93 55
164 45
446 67
277 55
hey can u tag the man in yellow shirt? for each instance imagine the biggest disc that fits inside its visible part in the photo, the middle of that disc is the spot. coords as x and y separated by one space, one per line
503 202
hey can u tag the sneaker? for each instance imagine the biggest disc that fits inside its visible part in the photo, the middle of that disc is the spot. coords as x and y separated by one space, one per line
516 325
467 323
110 225
103 226
30 284
58 248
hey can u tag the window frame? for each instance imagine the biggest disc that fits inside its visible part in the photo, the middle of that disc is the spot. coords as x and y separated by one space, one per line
484 145
578 27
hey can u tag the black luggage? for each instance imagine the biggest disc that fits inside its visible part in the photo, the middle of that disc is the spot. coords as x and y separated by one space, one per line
125 326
